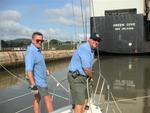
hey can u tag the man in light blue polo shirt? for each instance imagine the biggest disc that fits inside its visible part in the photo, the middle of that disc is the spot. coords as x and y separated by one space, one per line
80 68
37 73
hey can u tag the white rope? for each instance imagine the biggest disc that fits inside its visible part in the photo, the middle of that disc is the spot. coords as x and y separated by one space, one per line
87 85
49 93
24 109
13 74
107 99
88 100
31 92
113 110
58 83
97 86
116 104
101 90
2 102
106 82
124 100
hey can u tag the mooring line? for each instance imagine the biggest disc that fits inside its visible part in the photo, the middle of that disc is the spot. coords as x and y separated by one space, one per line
142 97
49 93
58 83
13 74
24 109
27 83
124 100
2 102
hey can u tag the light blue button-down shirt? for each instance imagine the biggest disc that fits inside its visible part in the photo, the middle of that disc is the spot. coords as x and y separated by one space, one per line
34 61
82 58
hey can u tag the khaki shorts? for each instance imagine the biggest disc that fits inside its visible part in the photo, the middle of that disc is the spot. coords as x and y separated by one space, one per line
78 89
43 91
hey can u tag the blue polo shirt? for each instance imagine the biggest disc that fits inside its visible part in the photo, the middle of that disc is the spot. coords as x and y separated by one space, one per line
34 61
82 58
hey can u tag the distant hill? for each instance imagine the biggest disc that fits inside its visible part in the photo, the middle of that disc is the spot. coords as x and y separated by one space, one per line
21 44
22 40
15 43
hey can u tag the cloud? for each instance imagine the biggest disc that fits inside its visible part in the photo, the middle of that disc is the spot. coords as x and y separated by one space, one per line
10 28
13 30
56 34
64 16
10 15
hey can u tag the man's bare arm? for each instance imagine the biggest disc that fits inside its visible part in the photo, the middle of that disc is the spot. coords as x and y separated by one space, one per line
31 78
88 72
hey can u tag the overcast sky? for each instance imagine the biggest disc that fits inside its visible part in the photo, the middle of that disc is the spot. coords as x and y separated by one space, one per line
54 18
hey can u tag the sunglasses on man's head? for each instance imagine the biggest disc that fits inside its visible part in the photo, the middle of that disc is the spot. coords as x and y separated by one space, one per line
39 41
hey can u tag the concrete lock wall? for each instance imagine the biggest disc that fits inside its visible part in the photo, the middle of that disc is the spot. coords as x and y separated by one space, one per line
16 57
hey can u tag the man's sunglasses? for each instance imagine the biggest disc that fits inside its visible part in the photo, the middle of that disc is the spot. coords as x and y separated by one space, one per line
39 41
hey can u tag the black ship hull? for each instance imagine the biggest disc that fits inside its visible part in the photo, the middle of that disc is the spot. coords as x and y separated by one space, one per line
123 34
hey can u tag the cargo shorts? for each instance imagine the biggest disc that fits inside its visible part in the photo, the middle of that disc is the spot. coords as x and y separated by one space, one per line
43 91
78 89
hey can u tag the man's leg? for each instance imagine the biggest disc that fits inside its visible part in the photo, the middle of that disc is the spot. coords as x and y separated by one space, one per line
78 108
36 103
48 103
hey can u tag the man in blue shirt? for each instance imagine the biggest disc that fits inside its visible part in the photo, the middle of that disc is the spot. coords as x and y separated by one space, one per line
36 73
80 68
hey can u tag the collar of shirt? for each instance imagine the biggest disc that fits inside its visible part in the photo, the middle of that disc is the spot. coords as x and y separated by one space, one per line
37 49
